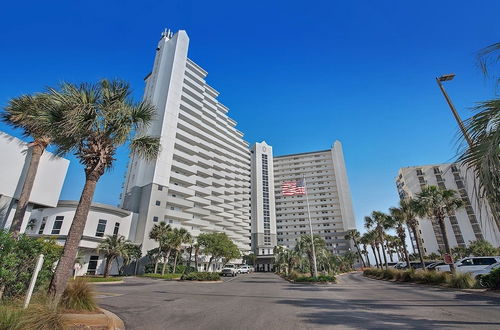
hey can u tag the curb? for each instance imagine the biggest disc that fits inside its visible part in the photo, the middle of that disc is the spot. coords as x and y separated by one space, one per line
98 321
111 282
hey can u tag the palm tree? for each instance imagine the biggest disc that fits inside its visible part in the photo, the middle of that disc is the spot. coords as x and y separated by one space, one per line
397 221
95 121
32 114
379 221
409 211
354 235
483 156
113 248
160 233
438 203
369 238
197 249
180 236
304 246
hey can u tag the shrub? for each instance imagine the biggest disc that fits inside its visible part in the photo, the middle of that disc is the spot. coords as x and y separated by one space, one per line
201 276
10 317
389 273
293 275
407 275
42 316
461 281
434 277
168 268
491 280
164 277
320 278
375 272
18 259
78 296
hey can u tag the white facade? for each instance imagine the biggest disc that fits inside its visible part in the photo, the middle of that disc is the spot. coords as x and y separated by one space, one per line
201 179
49 180
103 220
329 198
469 223
263 205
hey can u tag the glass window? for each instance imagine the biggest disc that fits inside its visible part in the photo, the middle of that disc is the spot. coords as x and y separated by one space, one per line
42 225
92 265
467 262
484 261
157 203
117 228
155 219
101 228
57 225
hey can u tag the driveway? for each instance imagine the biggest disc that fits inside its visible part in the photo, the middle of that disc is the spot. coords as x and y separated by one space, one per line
265 301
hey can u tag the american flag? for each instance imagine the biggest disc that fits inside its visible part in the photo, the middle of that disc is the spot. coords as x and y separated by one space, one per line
292 188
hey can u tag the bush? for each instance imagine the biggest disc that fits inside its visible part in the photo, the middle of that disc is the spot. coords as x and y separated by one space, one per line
201 276
389 273
312 279
18 259
374 272
78 296
491 280
433 277
10 317
164 277
407 275
293 275
461 281
149 269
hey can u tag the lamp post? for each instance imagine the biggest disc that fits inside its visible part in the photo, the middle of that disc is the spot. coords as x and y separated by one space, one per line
440 80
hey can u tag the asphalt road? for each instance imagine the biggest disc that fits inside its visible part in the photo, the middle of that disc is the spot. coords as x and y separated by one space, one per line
265 301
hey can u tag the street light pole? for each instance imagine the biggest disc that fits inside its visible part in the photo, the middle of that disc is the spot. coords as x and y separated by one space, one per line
439 81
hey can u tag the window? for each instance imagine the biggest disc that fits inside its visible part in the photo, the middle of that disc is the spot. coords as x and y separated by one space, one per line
42 226
101 228
92 265
117 228
484 261
155 219
57 225
157 203
160 188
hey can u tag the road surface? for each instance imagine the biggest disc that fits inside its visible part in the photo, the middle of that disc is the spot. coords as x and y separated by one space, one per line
265 301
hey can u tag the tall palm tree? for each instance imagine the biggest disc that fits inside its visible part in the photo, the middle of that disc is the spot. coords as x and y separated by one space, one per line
397 221
379 221
483 156
96 119
409 211
438 203
32 114
113 248
354 235
160 233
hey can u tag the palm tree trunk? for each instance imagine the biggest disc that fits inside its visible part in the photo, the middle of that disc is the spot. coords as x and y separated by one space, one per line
107 267
379 257
416 234
210 263
188 264
383 253
196 259
165 262
175 262
375 255
359 253
366 254
65 265
447 248
36 153
156 266
402 237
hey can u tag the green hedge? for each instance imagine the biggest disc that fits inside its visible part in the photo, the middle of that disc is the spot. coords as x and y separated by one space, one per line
312 279
164 277
492 280
168 268
201 276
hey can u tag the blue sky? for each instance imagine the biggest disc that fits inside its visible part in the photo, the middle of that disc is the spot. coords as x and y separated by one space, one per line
296 74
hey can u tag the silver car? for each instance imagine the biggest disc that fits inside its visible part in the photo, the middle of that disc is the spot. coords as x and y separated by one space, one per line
229 270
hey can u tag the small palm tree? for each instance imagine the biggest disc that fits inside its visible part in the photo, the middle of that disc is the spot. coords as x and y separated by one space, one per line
32 114
94 121
304 246
438 203
379 221
160 233
113 248
368 238
180 236
409 211
354 235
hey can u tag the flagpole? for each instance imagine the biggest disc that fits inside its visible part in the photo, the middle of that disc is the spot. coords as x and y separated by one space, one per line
310 229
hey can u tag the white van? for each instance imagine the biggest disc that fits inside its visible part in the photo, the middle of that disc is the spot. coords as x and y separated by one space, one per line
470 264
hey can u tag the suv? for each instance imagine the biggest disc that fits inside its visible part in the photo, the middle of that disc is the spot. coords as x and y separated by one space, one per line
244 269
470 264
229 270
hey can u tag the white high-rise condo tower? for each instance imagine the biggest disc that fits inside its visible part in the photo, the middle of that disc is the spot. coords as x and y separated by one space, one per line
201 179
329 198
263 206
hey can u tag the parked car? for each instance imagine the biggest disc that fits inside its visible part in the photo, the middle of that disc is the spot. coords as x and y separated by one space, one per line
435 264
476 274
244 269
229 270
470 264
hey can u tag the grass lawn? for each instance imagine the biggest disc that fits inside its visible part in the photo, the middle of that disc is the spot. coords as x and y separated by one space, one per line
98 279
164 277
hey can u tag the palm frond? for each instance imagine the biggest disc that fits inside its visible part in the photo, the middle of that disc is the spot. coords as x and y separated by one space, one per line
147 147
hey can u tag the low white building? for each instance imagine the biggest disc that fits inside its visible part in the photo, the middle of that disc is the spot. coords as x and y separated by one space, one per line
470 223
16 156
103 220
